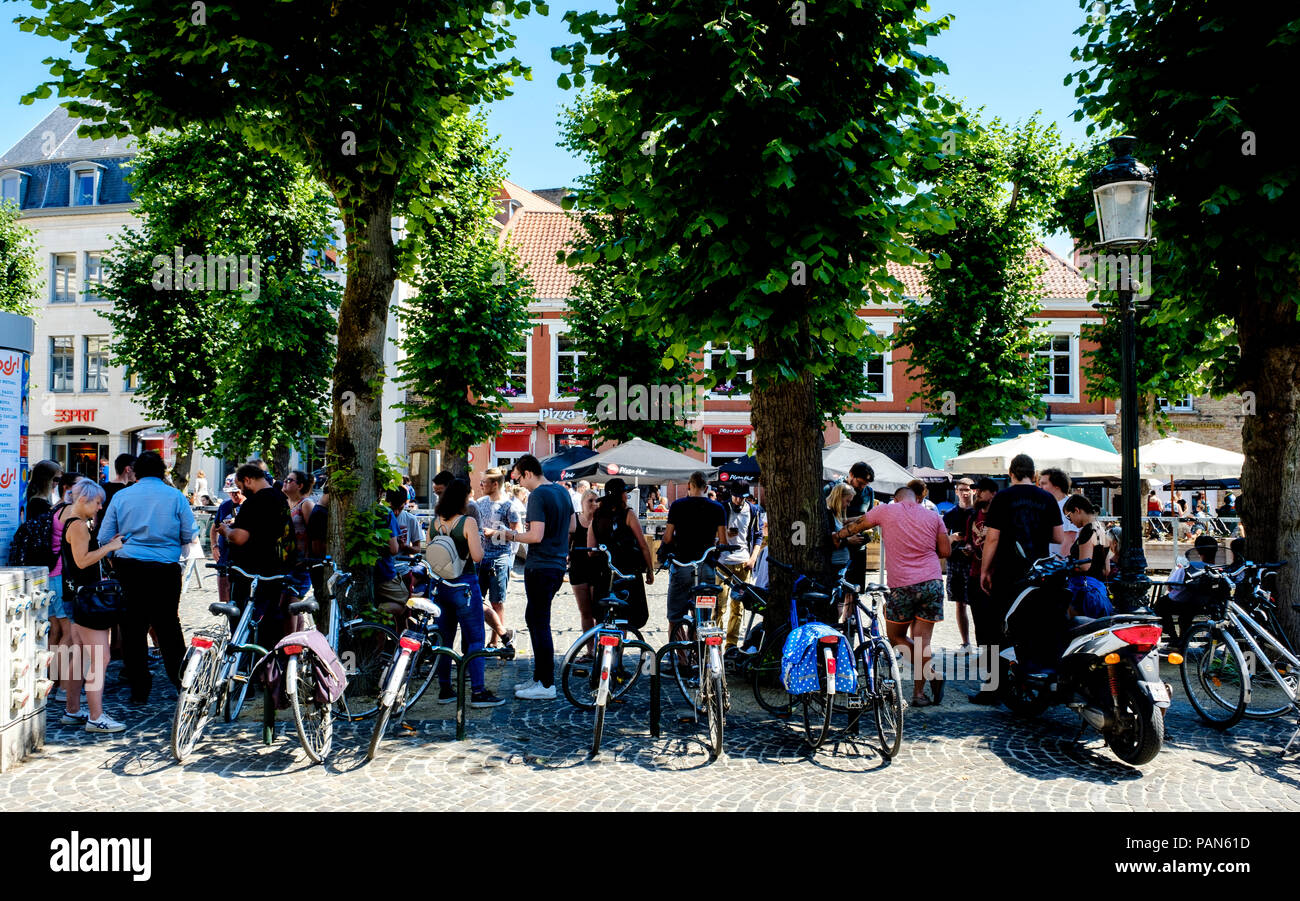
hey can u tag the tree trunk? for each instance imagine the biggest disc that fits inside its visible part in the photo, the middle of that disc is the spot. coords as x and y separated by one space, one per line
184 461
280 460
457 463
356 423
1270 478
789 452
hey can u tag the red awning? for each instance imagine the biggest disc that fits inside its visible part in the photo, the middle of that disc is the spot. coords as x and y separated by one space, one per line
728 429
568 429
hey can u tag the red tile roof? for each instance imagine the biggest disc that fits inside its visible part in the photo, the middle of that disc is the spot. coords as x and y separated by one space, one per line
540 228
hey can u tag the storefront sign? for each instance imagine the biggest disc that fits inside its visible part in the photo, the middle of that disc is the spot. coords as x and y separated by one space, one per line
728 429
74 415
516 430
561 415
568 430
878 426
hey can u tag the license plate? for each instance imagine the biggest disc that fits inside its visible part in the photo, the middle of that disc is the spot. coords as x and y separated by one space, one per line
1158 691
706 600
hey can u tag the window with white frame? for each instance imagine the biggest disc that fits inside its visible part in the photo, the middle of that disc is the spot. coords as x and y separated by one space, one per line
1177 405
83 183
96 363
518 383
63 284
567 361
737 387
11 187
1056 362
94 277
61 363
876 369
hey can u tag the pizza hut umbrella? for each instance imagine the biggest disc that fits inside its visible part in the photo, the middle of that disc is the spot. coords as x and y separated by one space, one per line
636 461
554 465
739 468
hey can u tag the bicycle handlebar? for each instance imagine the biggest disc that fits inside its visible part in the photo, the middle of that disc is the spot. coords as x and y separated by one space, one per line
672 560
609 559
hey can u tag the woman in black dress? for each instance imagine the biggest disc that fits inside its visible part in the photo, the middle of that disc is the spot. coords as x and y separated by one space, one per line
581 566
615 525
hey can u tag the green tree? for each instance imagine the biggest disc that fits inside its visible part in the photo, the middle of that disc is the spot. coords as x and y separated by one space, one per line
606 318
20 273
764 147
248 353
356 91
1228 219
463 273
973 337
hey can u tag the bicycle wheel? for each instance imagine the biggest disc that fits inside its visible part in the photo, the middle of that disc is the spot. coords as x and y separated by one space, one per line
423 673
686 675
816 717
1214 676
601 702
715 693
365 650
1267 696
194 704
313 719
237 686
397 672
579 679
769 690
887 697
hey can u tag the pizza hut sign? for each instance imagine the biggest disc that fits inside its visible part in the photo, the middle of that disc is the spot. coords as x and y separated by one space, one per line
726 431
614 469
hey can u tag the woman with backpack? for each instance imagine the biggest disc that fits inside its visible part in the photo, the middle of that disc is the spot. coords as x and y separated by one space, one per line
41 496
79 566
615 525
458 596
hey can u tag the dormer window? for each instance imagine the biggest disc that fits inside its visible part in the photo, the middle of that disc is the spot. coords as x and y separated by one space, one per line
84 183
13 183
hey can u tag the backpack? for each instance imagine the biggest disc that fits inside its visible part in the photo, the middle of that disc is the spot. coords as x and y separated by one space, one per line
33 543
754 535
443 557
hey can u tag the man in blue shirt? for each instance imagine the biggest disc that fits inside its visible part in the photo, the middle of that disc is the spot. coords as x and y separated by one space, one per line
155 522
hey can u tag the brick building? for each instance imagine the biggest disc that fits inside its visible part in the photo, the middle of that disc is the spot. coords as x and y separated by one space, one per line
542 419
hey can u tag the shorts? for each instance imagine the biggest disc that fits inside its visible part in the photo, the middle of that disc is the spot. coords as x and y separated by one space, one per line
923 601
58 608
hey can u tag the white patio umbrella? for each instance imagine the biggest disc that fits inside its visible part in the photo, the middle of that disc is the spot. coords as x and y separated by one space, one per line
1047 451
837 458
1178 458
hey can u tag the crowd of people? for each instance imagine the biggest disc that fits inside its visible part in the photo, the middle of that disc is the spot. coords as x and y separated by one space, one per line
143 531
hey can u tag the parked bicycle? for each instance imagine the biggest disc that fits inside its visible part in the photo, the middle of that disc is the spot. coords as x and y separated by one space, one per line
604 664
697 667
211 670
419 642
879 677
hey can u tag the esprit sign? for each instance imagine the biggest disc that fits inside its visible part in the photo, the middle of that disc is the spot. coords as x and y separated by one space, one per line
74 415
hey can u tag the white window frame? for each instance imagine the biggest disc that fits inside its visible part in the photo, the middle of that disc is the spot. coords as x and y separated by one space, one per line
882 328
527 396
1070 329
720 457
71 380
86 293
553 392
708 366
101 372
78 169
1185 404
71 280
18 177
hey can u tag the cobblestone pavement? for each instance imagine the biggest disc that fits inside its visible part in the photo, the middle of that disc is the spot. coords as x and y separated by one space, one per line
532 756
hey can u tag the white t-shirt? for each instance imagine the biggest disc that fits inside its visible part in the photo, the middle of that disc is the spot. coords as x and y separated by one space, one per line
1066 526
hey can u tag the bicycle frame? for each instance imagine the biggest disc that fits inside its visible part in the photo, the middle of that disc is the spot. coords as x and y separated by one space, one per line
1245 624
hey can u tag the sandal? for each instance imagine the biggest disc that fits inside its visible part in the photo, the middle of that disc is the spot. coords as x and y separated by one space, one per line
508 638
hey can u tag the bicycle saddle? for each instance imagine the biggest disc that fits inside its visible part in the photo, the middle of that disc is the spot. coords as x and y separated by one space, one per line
707 588
229 610
429 608
618 599
307 605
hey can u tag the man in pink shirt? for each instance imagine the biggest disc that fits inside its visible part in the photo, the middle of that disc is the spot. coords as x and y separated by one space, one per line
914 539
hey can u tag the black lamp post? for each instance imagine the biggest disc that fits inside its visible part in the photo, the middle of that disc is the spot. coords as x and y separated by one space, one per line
1122 192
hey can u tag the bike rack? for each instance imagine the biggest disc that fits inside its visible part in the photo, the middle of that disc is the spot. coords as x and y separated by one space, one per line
462 672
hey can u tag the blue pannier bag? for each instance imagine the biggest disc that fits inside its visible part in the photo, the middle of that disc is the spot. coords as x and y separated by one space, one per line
799 661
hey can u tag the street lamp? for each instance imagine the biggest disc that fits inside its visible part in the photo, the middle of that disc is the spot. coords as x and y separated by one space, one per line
1122 192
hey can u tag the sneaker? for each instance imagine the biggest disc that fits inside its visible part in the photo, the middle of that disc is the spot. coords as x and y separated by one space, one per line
74 719
528 683
487 699
446 694
536 692
105 723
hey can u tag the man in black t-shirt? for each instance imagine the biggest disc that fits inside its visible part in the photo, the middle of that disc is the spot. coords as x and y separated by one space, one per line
261 539
695 524
955 521
1022 521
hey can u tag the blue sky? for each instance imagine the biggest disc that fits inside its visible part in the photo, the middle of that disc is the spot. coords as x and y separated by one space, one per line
1009 56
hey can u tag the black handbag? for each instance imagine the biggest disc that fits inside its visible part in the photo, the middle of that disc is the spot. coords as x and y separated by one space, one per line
99 606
